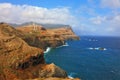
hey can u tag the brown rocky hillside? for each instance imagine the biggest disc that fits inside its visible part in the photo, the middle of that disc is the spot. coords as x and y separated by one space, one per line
22 60
40 37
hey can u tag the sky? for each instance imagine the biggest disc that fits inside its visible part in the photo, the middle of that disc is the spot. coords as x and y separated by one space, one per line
87 17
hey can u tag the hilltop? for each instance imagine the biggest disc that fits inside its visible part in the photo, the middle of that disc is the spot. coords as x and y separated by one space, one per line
38 36
47 25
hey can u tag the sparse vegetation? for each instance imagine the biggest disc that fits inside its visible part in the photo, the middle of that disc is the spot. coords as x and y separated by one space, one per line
21 54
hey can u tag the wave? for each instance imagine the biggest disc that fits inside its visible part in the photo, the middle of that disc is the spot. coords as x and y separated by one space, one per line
72 75
98 48
66 44
47 50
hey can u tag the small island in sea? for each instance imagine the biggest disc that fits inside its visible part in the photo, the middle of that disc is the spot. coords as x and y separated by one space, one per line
59 39
22 51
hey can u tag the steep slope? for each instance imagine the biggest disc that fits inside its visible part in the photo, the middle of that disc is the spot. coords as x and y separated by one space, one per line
20 61
65 32
40 37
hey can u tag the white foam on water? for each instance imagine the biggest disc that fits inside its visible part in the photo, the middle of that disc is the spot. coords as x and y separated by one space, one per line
105 49
72 75
66 44
94 40
91 48
47 50
97 48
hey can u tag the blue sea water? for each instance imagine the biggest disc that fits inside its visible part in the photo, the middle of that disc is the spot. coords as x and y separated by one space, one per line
91 58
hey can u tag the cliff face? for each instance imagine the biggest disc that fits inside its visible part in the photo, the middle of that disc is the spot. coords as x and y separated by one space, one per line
40 37
65 32
21 56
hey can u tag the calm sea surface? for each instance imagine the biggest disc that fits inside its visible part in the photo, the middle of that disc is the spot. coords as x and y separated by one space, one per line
91 58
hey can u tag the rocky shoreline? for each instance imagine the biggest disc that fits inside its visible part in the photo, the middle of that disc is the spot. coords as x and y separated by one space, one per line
22 52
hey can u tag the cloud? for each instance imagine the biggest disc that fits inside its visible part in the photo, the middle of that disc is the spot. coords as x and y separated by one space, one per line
97 20
104 25
110 3
86 20
25 13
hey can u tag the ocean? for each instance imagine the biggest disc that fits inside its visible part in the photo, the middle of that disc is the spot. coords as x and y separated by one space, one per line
91 58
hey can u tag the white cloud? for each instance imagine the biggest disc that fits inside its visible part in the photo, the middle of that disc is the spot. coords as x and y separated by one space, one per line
97 20
110 3
85 21
24 13
105 25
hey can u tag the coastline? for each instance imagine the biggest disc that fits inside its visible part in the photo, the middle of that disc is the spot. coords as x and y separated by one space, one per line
30 45
65 45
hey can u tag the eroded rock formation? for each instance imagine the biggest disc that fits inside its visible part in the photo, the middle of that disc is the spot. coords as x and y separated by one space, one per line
36 35
21 57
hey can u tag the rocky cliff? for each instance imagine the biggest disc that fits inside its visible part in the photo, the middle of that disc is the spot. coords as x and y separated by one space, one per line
38 36
21 57
65 32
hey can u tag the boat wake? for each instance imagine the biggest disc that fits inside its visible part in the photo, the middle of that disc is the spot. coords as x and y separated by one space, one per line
98 48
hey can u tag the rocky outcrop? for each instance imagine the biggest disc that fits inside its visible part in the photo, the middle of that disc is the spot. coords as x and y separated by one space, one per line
19 60
37 36
16 54
65 32
52 71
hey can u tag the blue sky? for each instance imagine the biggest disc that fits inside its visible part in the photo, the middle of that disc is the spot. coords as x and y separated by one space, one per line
48 3
87 17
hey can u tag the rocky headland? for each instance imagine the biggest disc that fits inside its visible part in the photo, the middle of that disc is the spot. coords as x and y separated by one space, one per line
22 52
